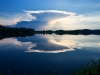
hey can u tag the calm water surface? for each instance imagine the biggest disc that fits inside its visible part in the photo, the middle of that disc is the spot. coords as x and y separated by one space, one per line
45 54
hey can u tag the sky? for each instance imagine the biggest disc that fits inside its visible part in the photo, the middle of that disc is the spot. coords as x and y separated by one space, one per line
72 14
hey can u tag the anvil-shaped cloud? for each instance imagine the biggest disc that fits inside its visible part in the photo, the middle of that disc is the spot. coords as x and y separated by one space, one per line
49 19
43 18
56 20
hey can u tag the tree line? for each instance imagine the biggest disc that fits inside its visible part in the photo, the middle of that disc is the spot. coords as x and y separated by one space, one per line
70 32
6 32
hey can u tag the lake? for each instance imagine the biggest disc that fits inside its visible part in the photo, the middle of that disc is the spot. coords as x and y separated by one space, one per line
47 54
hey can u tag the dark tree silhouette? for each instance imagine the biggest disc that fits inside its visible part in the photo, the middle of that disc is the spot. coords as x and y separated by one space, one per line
6 32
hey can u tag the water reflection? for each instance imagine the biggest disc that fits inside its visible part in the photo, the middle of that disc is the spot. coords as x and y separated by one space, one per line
42 53
51 43
31 49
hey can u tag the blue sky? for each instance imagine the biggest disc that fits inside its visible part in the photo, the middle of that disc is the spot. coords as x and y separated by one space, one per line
79 6
85 12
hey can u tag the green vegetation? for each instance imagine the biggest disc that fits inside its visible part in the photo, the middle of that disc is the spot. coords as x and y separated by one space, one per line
0 72
92 68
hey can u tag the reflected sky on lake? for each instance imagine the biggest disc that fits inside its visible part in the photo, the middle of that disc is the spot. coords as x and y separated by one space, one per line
43 53
51 43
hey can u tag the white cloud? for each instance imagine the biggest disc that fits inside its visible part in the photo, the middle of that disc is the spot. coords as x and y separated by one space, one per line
53 16
14 18
7 21
69 20
49 11
48 15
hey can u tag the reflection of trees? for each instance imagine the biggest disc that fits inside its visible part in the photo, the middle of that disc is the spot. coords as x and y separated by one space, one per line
44 32
6 32
70 32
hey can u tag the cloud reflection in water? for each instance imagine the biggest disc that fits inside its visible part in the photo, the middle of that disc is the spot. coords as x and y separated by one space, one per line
45 51
47 44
